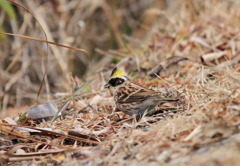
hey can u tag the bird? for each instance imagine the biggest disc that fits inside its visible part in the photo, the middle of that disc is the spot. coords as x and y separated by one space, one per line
131 98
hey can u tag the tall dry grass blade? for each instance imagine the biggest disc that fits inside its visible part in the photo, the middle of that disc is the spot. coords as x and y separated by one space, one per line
46 66
41 85
45 41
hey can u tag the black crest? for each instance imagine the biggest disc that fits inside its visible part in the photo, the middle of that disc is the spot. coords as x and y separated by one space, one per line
113 71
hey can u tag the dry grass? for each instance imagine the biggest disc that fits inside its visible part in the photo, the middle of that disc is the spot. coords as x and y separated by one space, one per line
205 133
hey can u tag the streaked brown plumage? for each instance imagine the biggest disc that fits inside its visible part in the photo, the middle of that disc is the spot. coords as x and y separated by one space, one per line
131 98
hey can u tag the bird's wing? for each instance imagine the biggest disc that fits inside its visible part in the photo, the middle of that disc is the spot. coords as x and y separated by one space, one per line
139 95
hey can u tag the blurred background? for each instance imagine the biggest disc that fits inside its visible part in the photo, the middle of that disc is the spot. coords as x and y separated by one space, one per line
109 30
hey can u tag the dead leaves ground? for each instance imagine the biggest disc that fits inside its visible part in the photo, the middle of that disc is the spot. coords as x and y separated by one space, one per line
206 130
199 60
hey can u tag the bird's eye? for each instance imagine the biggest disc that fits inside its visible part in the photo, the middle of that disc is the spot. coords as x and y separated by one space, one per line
119 82
112 82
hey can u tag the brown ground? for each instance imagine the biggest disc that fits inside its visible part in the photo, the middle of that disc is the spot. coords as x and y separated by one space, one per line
189 48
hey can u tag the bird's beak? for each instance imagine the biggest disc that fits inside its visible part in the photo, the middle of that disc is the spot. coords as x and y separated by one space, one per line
107 85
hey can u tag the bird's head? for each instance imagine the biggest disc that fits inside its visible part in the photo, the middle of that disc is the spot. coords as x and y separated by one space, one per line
117 78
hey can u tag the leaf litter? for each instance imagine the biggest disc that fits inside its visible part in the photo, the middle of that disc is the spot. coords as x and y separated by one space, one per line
199 63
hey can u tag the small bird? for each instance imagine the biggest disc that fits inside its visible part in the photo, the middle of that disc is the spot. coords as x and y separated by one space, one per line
131 98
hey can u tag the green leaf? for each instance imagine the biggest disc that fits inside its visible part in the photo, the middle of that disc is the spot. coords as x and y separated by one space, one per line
2 36
80 87
22 116
8 9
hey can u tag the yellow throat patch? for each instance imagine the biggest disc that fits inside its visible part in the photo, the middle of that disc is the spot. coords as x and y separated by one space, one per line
117 73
